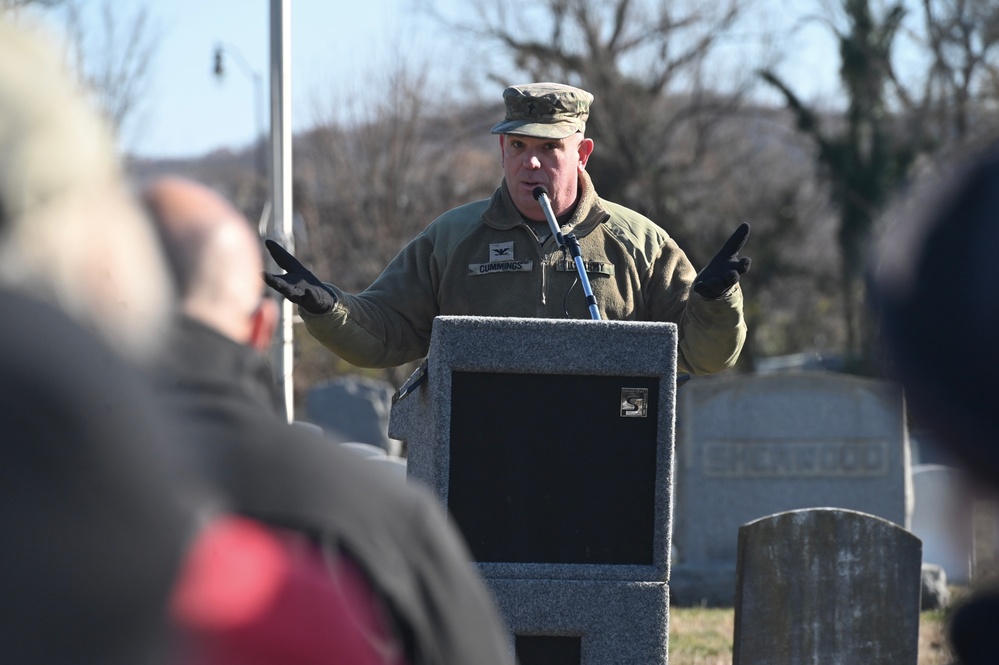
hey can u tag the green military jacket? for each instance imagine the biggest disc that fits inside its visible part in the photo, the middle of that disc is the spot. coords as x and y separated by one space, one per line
482 259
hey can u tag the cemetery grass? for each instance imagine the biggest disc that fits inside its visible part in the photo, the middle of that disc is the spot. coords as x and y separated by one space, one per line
703 636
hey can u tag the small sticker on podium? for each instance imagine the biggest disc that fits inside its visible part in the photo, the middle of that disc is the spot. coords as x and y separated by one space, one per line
634 402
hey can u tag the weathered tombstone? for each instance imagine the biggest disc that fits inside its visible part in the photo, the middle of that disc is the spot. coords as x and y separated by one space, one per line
826 586
306 425
353 409
396 466
366 450
942 517
986 563
551 443
750 446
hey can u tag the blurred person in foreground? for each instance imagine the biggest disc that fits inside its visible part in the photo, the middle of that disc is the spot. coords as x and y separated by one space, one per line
418 599
937 294
97 509
114 542
497 257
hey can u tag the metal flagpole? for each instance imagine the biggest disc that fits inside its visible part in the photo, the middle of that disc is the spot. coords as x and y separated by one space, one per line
280 182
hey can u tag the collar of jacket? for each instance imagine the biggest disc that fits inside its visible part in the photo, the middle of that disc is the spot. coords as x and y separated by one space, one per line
501 213
202 360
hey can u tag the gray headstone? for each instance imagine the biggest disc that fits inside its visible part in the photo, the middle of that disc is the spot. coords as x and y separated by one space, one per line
310 427
751 446
551 443
353 409
365 450
826 586
942 518
396 466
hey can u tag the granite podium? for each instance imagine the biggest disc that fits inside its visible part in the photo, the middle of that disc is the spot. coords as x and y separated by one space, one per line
551 443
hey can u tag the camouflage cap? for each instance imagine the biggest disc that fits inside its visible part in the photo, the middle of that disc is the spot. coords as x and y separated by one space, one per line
544 110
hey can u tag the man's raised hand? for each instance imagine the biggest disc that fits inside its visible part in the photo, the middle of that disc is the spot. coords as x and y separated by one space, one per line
298 284
724 270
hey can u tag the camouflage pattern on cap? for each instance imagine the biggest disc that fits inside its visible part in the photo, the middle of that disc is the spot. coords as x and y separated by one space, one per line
544 110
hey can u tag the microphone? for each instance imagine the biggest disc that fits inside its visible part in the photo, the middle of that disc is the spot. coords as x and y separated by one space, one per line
569 242
540 194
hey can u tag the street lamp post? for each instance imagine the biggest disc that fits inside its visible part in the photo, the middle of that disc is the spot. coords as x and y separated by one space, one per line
220 51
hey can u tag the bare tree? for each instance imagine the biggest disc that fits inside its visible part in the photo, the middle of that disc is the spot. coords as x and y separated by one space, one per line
383 164
865 160
792 304
893 117
113 60
961 41
379 166
111 56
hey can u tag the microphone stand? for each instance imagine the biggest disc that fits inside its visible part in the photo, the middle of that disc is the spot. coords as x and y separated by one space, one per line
572 244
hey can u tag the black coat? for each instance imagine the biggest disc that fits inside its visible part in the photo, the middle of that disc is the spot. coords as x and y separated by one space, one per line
96 507
293 478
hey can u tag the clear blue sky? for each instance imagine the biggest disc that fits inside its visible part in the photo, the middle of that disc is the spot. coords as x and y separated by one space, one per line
190 111
334 44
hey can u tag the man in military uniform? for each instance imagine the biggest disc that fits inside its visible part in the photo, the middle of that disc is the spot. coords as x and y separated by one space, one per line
497 257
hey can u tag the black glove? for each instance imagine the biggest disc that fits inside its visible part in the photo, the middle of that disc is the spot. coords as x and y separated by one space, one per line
722 272
298 284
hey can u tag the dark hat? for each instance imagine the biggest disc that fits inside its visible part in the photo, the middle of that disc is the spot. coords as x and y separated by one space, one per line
544 110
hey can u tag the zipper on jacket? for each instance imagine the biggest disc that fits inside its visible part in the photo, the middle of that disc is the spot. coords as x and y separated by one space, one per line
544 275
545 253
544 280
542 267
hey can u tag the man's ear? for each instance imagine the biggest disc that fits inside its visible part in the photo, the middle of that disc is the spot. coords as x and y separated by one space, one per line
502 150
585 150
263 323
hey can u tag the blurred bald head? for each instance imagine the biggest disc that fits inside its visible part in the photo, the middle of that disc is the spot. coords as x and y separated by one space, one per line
216 259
